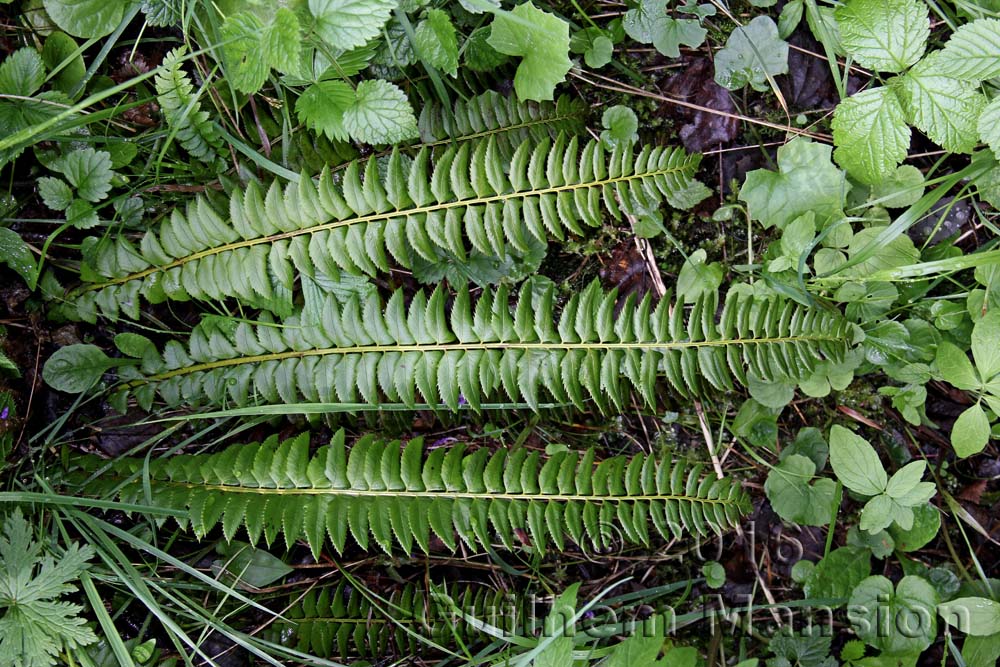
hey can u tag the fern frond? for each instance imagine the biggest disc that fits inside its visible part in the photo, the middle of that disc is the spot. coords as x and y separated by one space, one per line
395 495
467 198
191 124
509 121
475 352
339 621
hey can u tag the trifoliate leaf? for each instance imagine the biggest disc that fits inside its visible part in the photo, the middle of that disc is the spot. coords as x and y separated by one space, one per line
436 42
884 35
89 171
905 479
54 193
542 41
283 43
22 73
792 496
649 24
620 126
60 51
16 254
971 431
380 114
345 24
479 55
246 62
807 180
871 134
973 51
321 107
989 125
697 278
752 53
35 626
75 368
86 18
855 462
900 621
901 189
945 109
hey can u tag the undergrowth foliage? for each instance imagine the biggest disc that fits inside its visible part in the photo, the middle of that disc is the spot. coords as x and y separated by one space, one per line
353 223
595 350
398 496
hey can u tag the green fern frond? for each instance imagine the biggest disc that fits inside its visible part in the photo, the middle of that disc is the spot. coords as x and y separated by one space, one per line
592 351
191 124
509 121
339 621
469 197
397 496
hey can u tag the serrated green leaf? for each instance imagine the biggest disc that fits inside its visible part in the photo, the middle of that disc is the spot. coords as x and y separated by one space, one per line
86 18
541 40
871 134
989 125
282 43
436 43
945 109
479 56
971 431
884 35
380 114
54 193
89 171
972 53
321 107
22 73
346 24
649 24
751 54
246 62
855 462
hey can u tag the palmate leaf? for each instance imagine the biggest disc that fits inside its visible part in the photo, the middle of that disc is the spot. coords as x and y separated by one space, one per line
596 350
395 495
356 221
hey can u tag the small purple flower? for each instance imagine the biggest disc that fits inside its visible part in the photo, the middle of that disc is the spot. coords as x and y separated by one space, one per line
461 400
4 413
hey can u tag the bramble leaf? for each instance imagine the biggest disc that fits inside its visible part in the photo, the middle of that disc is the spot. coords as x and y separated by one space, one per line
871 134
321 107
884 35
541 40
973 51
346 24
945 109
380 114
436 42
246 62
989 125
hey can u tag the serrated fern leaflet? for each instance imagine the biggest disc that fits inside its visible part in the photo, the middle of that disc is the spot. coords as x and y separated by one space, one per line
396 495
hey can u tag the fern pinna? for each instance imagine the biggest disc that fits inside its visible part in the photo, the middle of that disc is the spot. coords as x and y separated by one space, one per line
596 349
396 495
394 206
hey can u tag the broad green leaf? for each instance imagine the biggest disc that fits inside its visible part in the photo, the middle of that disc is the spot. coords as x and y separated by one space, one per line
855 462
900 621
133 344
986 345
697 278
794 498
16 254
22 73
60 51
774 394
877 514
797 236
345 24
89 171
600 52
905 479
806 180
981 651
380 114
902 188
321 107
880 544
751 54
975 616
955 368
620 127
249 566
649 24
871 134
926 524
989 125
87 18
282 44
436 42
945 109
714 573
971 431
75 368
836 575
972 53
246 61
541 40
884 35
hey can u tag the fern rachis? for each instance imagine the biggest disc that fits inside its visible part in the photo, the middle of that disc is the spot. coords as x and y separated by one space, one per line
397 495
